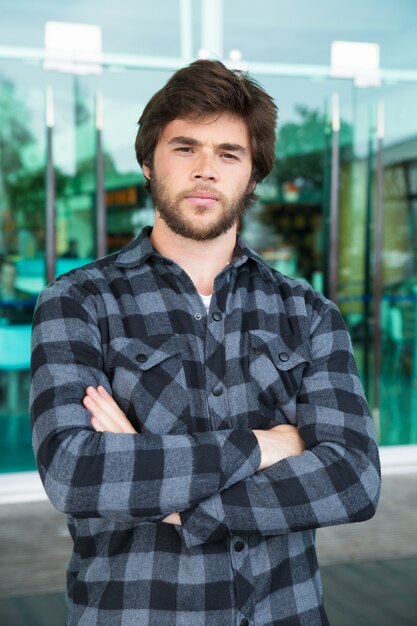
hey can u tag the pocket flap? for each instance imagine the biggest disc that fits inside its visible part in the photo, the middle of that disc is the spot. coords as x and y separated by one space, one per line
283 357
140 354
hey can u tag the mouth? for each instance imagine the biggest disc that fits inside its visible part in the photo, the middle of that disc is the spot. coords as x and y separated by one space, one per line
202 198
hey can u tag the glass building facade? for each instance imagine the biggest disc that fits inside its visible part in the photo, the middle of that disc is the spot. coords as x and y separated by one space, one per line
338 167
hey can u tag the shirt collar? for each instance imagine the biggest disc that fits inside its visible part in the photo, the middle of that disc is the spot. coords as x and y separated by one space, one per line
242 253
140 249
137 251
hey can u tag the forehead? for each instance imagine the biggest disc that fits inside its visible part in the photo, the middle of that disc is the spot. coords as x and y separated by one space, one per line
215 129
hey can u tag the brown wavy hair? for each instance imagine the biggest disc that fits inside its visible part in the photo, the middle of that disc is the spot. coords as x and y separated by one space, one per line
205 88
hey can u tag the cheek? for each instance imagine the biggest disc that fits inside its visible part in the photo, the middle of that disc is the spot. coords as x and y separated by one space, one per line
245 186
174 173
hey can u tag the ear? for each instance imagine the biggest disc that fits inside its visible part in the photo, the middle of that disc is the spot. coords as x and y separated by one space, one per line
252 185
146 170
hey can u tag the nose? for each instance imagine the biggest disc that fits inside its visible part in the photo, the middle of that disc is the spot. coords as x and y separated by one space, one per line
205 168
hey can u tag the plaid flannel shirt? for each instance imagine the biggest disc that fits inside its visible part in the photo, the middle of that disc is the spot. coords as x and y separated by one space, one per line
270 351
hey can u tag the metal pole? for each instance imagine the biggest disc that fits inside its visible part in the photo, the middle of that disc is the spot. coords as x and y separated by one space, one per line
367 282
326 205
333 260
212 28
378 265
186 30
50 243
101 217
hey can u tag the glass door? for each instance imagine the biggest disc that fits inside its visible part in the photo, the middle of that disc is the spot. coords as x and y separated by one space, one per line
22 241
398 312
291 227
382 322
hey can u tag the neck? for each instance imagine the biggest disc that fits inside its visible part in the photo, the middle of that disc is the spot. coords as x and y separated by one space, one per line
201 260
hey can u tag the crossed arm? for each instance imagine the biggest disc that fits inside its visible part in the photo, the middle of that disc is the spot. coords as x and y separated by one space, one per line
276 444
225 482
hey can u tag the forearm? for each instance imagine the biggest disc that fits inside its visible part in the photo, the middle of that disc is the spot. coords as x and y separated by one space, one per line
141 476
278 443
322 487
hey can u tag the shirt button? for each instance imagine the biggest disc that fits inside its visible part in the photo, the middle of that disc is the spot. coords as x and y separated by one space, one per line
283 356
217 390
239 545
198 316
244 622
217 316
141 358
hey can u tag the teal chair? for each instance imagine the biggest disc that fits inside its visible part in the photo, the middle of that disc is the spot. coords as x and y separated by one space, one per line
14 361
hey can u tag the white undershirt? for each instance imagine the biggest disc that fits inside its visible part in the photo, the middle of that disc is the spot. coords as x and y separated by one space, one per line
206 300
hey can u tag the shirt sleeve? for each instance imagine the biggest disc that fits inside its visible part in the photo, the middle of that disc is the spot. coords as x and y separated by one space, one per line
335 481
122 477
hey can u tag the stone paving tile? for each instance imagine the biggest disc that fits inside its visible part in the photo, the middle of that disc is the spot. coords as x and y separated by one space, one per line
376 593
35 545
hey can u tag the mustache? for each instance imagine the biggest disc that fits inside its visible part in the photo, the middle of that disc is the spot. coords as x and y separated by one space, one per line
202 189
206 189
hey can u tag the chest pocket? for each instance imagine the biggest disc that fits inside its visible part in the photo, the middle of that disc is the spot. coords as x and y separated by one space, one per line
276 372
148 382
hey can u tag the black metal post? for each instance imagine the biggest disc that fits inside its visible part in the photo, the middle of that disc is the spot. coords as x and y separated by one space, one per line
378 281
326 206
333 259
367 282
101 216
50 242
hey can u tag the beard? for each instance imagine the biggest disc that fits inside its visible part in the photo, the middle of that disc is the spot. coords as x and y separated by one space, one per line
189 226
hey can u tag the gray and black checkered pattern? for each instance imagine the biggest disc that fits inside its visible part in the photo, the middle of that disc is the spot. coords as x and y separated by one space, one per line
270 351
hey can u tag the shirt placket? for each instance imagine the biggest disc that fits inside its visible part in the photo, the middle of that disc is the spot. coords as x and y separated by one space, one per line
216 389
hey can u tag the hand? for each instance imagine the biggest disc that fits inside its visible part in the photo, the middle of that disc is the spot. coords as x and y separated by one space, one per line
278 443
106 416
173 518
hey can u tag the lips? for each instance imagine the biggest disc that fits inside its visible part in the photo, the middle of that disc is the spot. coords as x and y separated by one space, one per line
202 198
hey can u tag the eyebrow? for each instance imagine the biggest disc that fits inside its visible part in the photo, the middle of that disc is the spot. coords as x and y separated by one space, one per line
190 141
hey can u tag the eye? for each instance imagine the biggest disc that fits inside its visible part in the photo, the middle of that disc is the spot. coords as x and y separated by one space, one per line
184 149
230 157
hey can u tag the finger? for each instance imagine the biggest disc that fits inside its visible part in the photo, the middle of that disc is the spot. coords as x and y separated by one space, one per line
104 407
102 422
105 394
106 421
96 424
111 403
285 428
110 407
106 402
173 518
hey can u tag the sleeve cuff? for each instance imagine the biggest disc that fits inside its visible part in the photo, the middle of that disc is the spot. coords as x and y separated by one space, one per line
204 524
240 457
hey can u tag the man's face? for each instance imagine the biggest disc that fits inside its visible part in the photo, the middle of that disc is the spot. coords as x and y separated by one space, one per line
201 175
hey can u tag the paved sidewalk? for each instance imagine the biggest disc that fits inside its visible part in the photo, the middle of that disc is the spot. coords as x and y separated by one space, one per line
369 569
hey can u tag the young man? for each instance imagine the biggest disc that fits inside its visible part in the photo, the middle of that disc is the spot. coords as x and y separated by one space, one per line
195 413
